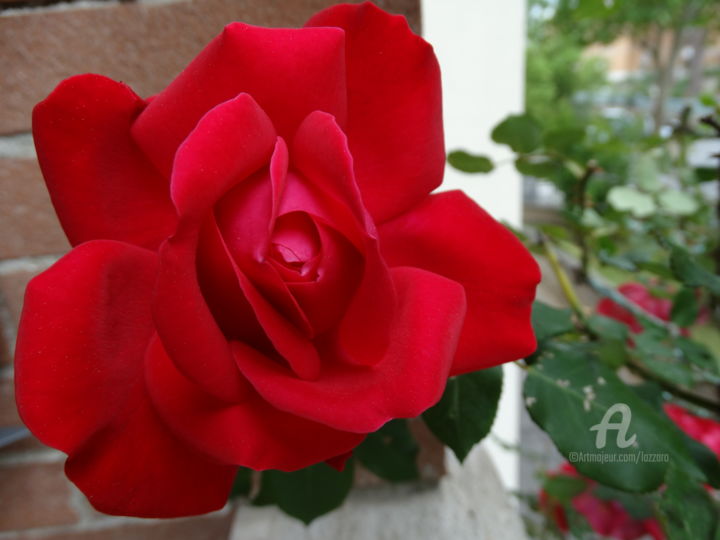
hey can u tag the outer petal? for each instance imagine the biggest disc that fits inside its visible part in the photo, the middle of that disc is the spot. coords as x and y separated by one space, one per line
290 72
408 380
80 386
252 434
101 184
451 235
394 121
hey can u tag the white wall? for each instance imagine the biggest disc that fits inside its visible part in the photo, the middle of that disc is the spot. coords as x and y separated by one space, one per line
480 45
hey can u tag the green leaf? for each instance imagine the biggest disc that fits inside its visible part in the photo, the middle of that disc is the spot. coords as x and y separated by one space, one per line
548 321
612 352
264 496
690 272
562 139
628 199
708 336
242 483
592 220
708 100
644 172
578 524
537 166
688 511
685 307
470 163
660 355
698 354
391 452
608 328
658 269
706 174
520 132
574 168
652 393
308 493
466 412
594 9
705 458
637 505
678 203
563 487
568 392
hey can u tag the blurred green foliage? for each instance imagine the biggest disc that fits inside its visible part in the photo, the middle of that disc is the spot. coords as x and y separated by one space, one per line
633 208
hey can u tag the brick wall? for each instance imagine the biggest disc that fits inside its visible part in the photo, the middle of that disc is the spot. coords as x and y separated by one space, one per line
143 43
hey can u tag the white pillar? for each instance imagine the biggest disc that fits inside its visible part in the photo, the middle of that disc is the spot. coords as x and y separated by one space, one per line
481 48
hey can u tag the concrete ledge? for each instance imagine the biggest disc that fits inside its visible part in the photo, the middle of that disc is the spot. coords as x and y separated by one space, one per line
469 503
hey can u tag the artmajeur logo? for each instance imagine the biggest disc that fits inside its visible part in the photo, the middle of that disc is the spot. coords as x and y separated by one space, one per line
620 424
621 427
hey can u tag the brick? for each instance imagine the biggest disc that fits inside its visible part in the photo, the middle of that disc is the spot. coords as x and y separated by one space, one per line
5 353
34 495
144 45
8 411
214 526
27 218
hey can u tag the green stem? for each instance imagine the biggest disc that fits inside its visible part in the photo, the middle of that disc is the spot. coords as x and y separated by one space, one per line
563 278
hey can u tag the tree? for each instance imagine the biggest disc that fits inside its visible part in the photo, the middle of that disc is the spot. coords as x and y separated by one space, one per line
660 27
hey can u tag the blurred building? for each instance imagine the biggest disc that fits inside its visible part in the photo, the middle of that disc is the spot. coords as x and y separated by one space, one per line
626 57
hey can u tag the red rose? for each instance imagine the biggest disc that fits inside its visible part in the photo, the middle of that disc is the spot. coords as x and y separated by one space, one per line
608 518
260 275
703 430
640 295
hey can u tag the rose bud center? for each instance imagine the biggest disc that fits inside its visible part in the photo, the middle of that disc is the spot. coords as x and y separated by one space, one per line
295 245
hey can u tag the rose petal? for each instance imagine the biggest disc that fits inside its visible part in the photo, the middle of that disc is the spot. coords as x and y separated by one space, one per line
325 299
101 184
289 72
81 388
452 236
252 434
408 380
321 154
230 142
220 289
294 347
246 217
394 121
186 325
138 467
